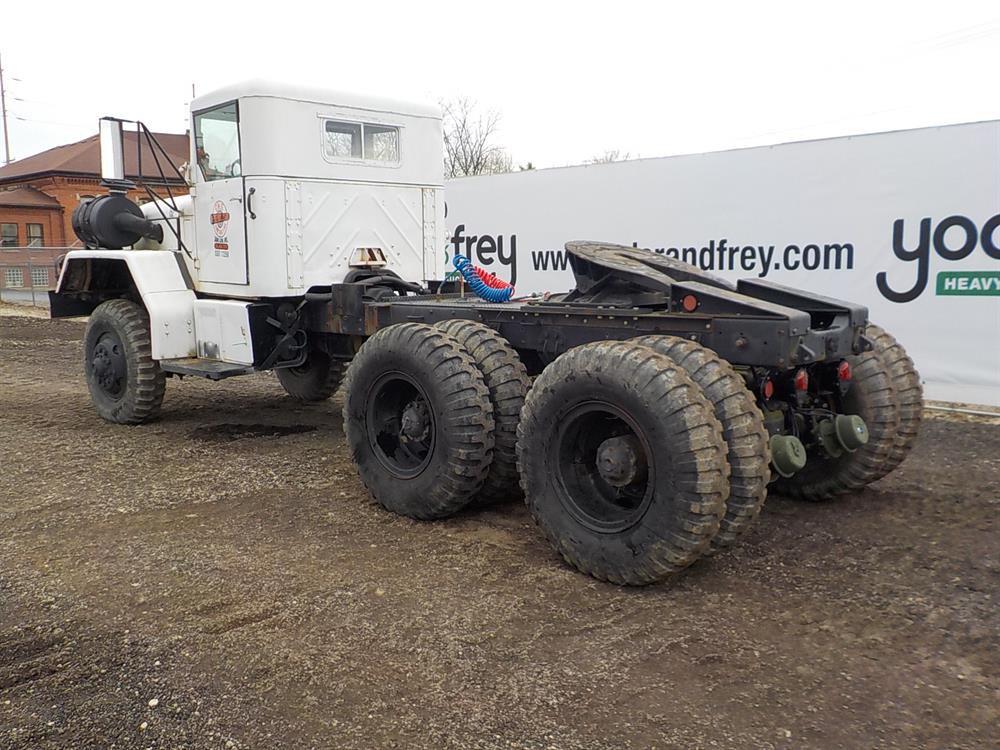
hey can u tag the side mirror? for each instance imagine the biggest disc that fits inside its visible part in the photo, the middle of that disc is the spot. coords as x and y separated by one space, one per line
112 150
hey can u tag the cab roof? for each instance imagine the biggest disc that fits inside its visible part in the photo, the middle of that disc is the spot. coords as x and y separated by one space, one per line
295 92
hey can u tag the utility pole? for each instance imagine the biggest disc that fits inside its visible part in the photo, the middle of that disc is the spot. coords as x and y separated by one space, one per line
3 111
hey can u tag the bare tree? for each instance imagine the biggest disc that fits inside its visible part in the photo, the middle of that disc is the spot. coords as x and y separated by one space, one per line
609 156
469 140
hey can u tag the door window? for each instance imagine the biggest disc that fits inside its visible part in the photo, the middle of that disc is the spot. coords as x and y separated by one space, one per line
217 142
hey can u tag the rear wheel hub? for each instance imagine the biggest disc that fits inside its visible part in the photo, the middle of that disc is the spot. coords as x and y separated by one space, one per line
602 459
618 460
400 425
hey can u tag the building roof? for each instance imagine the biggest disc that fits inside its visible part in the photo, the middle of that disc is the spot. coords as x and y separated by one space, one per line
84 158
296 92
27 197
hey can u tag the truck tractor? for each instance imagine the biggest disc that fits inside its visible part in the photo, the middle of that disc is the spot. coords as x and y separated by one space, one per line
642 416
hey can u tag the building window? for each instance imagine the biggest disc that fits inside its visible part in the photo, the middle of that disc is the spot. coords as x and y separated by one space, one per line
35 236
13 277
8 235
355 140
39 276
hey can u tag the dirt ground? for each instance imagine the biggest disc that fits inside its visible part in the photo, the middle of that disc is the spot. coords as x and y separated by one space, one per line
219 579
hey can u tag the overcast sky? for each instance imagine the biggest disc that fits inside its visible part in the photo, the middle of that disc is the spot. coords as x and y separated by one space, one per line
571 80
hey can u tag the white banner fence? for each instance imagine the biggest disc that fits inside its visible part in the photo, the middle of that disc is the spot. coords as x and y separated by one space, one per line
907 223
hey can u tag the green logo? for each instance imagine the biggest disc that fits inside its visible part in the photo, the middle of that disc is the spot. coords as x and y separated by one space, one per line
969 283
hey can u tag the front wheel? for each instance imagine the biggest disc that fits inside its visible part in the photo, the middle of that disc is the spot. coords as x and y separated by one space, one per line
126 384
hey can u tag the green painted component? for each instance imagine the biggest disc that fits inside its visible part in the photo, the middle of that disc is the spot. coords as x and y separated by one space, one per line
826 431
852 432
787 454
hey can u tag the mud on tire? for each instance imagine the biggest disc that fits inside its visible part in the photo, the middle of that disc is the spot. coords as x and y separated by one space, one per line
418 421
622 462
909 394
126 384
749 453
508 383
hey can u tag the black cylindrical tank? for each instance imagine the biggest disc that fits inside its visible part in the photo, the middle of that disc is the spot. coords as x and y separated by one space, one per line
112 221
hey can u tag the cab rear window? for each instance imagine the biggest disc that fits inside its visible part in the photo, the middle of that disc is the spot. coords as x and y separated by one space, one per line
362 141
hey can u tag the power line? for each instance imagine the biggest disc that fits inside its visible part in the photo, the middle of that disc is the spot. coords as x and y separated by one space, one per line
47 122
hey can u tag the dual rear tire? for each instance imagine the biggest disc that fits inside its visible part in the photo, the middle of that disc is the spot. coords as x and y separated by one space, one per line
623 462
622 456
635 458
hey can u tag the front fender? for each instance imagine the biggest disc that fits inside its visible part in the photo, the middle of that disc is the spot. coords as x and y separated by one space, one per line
155 277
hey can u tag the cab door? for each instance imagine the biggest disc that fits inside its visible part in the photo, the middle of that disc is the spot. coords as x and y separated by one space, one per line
220 218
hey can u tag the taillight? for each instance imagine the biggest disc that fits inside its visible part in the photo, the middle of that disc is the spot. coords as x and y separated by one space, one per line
802 380
689 302
768 389
844 371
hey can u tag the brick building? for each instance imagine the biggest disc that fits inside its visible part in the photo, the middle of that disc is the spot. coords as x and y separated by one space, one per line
38 195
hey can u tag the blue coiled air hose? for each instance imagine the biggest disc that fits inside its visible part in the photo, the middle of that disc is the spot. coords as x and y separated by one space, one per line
477 285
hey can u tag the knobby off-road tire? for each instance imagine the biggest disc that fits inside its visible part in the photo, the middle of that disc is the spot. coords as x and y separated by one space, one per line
126 384
909 394
316 379
602 511
418 420
508 384
747 439
872 396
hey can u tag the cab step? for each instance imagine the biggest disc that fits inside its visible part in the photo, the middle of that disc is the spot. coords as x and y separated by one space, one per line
212 369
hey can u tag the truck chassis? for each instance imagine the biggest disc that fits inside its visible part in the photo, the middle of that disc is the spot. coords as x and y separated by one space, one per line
665 400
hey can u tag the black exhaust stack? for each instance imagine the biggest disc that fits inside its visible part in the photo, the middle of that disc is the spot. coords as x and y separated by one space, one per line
113 221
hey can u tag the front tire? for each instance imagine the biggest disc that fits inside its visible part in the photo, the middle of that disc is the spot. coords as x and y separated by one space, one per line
126 384
418 420
622 462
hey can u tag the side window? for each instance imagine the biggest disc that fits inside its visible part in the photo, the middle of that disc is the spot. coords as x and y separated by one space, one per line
363 141
217 142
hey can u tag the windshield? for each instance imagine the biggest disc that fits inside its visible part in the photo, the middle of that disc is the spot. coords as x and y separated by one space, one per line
217 142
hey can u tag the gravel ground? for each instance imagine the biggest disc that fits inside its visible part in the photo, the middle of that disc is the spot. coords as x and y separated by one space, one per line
219 579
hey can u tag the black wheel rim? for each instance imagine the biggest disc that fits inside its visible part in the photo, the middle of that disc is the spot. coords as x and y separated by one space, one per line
400 424
603 466
108 364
